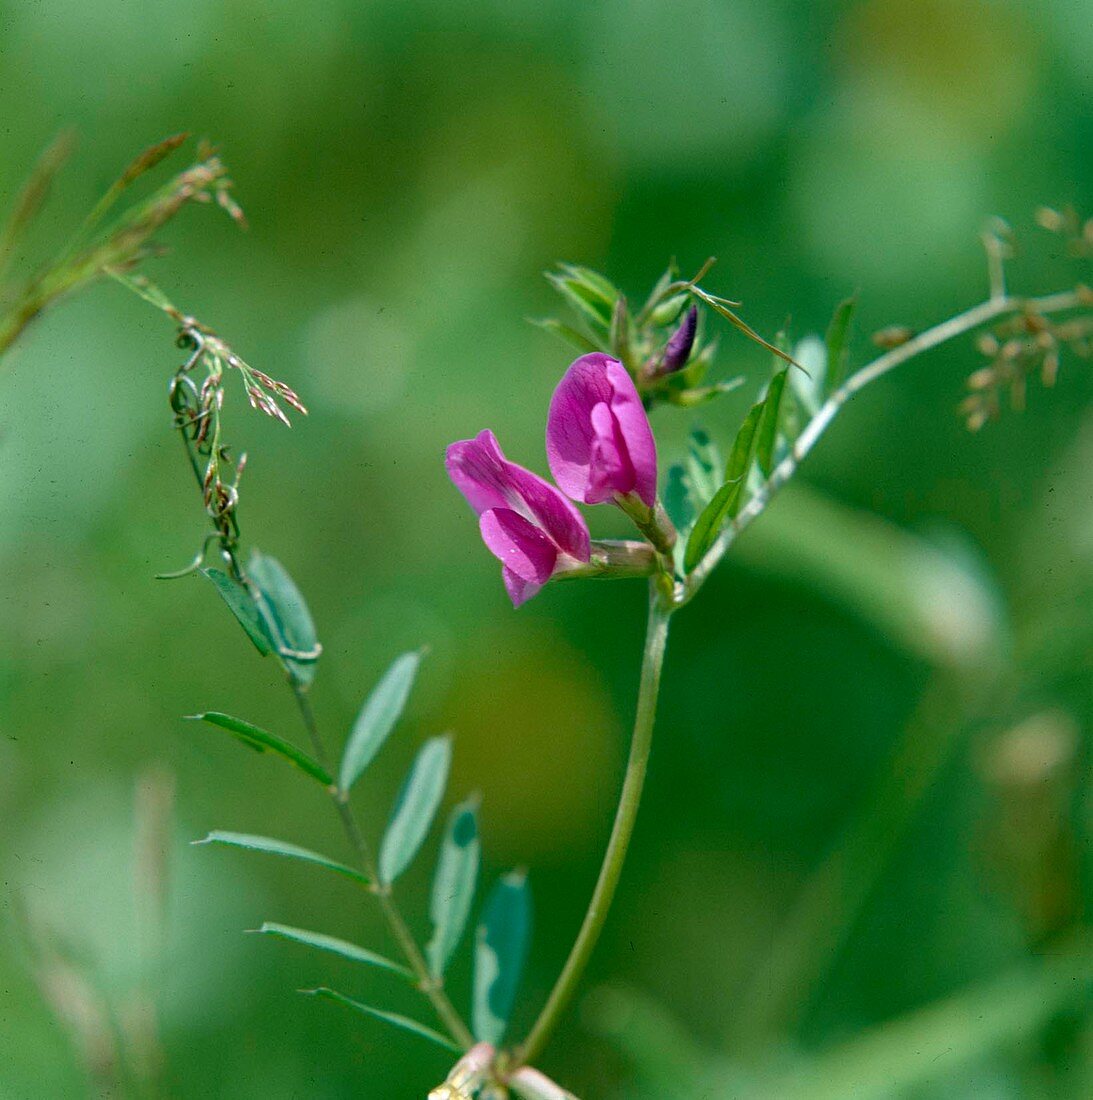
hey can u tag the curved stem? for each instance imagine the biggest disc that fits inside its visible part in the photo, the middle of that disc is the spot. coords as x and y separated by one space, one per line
656 638
430 986
962 323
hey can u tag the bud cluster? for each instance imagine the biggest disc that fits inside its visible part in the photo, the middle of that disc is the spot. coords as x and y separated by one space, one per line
1069 224
1026 345
661 343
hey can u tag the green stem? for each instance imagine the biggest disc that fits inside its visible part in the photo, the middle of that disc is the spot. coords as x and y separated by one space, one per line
430 986
968 321
656 638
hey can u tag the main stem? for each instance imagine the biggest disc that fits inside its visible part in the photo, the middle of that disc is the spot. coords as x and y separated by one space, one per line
395 921
656 638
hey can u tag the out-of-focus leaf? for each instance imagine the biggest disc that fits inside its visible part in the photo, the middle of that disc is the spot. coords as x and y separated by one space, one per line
767 431
811 353
282 848
33 194
929 601
332 944
703 465
392 1018
568 333
677 498
377 718
241 604
500 953
903 1056
453 885
262 740
286 617
838 337
415 808
667 1061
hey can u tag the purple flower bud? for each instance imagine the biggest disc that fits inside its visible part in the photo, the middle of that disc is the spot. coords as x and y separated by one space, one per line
525 522
598 440
678 349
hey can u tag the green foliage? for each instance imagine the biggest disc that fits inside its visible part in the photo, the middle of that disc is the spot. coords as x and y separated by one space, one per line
243 606
404 1023
454 885
286 618
415 808
501 950
381 710
727 500
766 433
838 340
282 848
334 946
262 740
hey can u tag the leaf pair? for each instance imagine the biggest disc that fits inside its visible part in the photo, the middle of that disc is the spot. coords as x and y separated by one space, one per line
771 423
754 445
274 615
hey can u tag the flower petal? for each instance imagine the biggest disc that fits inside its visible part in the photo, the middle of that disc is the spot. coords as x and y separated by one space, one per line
518 544
519 590
477 469
609 470
636 431
584 465
481 472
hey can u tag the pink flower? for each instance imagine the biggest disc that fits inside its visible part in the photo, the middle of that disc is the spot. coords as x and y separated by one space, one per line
525 522
599 443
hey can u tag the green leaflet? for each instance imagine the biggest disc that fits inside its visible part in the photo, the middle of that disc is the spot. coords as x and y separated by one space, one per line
392 1018
838 337
262 740
286 618
334 946
377 718
703 465
500 953
677 498
282 848
241 604
811 353
727 500
453 885
767 431
568 333
708 525
755 441
415 808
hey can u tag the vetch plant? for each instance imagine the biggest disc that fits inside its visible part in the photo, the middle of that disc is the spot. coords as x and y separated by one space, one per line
600 448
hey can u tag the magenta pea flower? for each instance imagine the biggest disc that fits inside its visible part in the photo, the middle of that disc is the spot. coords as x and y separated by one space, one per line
599 443
526 523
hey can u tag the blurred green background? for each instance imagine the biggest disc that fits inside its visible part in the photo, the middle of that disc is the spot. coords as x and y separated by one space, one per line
409 168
